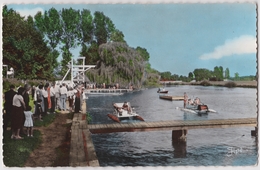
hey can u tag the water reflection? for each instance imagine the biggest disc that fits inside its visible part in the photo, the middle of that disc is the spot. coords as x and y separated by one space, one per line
195 116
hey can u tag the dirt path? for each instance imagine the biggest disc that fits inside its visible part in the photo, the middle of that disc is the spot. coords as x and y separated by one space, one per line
54 136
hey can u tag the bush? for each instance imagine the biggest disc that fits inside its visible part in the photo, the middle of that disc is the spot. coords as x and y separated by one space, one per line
205 83
230 84
6 85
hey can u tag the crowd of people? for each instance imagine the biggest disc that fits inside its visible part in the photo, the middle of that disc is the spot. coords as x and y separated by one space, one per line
46 98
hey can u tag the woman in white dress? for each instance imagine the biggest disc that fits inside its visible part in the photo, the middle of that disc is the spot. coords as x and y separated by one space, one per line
28 123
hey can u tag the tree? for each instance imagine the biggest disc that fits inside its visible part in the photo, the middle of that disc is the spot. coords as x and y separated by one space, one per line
87 26
24 48
227 76
175 77
71 35
202 74
103 28
143 52
218 73
165 75
236 76
117 36
50 25
190 75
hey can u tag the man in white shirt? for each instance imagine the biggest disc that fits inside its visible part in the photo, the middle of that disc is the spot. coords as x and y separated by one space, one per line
63 97
57 96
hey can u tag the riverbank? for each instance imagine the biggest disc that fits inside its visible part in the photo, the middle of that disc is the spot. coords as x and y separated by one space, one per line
244 84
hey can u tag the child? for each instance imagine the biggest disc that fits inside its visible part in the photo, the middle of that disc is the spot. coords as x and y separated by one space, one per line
28 123
38 109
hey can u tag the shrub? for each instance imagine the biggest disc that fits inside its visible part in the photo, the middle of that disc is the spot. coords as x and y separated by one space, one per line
230 84
205 83
89 118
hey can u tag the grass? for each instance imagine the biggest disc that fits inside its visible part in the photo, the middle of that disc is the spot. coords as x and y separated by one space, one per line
16 152
89 118
48 119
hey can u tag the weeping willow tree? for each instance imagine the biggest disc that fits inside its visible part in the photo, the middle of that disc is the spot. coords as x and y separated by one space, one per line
118 63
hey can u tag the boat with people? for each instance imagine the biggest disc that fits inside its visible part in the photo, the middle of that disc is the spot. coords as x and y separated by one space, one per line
162 90
196 106
123 111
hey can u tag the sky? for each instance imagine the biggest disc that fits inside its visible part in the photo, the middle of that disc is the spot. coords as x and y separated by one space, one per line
180 37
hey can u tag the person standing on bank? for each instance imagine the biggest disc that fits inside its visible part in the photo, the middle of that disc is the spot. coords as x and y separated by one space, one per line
57 96
17 114
77 99
52 94
26 99
48 89
9 95
63 97
71 98
39 95
33 91
28 123
45 99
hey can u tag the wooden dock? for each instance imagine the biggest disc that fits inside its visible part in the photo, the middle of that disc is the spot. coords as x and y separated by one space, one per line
170 125
172 98
106 91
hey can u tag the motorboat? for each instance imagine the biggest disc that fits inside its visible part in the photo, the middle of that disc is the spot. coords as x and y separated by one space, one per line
162 90
123 111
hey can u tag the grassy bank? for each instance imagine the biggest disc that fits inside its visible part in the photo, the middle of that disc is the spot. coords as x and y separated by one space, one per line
16 152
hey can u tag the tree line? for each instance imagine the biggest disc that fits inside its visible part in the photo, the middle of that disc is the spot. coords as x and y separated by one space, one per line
218 74
32 45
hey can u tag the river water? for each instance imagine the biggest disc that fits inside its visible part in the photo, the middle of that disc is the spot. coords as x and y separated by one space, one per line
204 147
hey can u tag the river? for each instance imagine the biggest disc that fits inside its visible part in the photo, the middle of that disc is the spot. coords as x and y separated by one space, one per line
204 147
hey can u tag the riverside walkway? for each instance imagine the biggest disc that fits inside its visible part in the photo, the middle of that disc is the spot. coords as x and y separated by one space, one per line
82 151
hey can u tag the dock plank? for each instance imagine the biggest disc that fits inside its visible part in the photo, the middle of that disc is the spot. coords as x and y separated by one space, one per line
174 124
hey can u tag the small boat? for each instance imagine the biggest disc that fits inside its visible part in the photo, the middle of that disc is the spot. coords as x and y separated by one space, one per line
195 106
162 90
200 109
121 112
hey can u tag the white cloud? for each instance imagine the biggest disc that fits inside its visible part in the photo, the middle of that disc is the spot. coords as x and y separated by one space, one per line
245 44
27 12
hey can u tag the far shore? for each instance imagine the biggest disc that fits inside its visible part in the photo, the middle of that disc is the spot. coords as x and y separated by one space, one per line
246 84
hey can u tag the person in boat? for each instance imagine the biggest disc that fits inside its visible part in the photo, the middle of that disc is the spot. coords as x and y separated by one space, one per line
185 100
197 101
126 107
190 102
119 109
